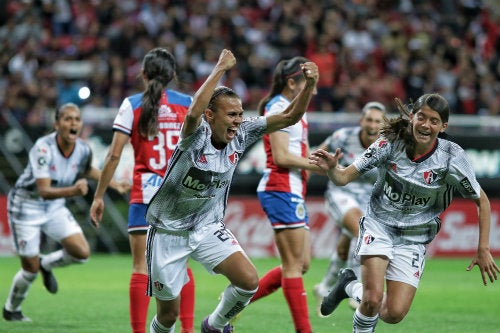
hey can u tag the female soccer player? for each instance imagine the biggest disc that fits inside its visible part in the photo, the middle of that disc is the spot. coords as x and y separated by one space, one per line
186 214
346 204
282 190
419 170
58 166
151 121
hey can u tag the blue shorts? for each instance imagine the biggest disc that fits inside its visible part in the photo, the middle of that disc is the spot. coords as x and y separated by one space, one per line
137 218
285 210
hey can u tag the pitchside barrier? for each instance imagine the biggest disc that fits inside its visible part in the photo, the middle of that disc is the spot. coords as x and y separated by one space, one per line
478 135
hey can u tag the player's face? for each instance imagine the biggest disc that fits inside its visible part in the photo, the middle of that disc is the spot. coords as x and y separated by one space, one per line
226 120
371 124
69 125
427 124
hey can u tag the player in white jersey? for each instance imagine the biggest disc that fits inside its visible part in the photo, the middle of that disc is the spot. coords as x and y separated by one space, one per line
346 204
58 163
186 214
281 193
419 170
151 121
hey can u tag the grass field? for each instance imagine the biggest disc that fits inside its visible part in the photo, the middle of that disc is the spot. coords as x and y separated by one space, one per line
93 298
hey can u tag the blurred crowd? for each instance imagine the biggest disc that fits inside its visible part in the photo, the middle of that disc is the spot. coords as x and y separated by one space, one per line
365 49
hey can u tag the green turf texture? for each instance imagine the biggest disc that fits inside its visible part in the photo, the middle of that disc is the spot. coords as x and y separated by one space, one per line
93 298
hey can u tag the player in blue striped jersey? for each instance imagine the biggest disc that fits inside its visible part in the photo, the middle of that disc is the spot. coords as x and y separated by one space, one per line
419 170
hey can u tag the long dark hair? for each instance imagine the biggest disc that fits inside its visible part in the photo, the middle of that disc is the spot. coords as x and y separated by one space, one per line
285 69
159 67
400 127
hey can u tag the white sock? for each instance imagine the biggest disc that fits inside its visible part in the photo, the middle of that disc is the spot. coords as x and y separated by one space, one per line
157 327
59 258
21 284
355 290
364 324
233 300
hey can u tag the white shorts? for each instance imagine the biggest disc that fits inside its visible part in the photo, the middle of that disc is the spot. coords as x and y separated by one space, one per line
338 203
167 253
406 260
29 218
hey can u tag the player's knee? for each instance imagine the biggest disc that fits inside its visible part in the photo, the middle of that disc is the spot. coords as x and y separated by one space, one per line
393 317
342 253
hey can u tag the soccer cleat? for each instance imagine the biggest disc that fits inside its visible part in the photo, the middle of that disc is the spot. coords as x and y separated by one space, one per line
333 299
14 316
49 280
319 293
206 328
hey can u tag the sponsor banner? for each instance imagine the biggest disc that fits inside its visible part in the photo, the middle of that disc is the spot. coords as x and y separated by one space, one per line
460 231
6 248
457 238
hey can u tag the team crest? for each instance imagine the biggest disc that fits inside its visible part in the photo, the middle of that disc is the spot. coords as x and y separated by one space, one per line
368 239
394 167
429 176
234 157
202 159
382 143
158 285
300 211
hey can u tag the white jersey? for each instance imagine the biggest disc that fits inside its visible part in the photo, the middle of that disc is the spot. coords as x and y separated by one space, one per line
47 161
196 186
409 194
279 179
348 139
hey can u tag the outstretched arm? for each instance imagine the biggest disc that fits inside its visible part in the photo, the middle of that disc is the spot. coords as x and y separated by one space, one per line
483 258
294 112
202 96
339 175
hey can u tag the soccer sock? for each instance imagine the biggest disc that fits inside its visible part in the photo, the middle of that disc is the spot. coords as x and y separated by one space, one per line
295 295
186 314
157 327
331 276
268 284
355 290
59 258
21 284
233 300
138 302
364 324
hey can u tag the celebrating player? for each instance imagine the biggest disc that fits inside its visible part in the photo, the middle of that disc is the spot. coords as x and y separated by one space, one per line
419 169
346 204
151 120
282 190
58 163
186 214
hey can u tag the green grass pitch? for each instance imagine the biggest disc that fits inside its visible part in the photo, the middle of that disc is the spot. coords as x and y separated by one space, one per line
93 298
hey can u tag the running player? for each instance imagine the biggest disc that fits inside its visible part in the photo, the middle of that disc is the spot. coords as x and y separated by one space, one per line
282 191
346 204
186 214
58 166
419 169
151 121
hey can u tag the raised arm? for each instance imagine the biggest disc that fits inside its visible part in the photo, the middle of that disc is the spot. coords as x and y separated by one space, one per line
294 112
339 175
483 258
202 96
